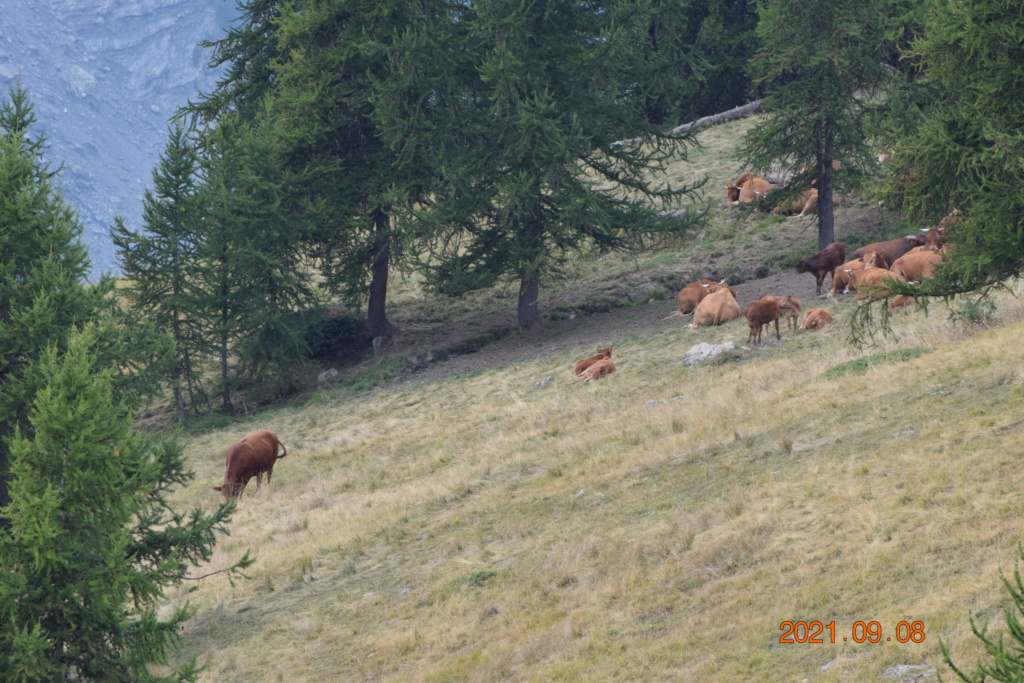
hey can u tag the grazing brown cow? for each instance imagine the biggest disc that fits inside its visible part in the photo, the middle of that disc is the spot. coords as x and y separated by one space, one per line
255 454
789 306
603 367
890 250
716 308
816 319
691 295
587 362
760 313
823 263
870 282
917 266
747 188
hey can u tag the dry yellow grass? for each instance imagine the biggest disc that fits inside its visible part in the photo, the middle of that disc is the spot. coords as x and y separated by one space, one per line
481 529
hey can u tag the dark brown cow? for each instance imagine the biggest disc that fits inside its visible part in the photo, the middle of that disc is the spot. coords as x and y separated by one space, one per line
823 263
890 250
255 454
582 365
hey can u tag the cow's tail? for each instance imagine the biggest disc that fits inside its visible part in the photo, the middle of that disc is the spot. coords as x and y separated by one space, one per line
284 451
677 314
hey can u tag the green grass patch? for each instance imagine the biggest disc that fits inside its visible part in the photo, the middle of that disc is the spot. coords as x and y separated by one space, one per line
861 365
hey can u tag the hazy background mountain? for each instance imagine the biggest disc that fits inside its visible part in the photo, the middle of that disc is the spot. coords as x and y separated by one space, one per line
105 76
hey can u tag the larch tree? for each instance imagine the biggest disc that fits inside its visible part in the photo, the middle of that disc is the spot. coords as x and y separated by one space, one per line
257 291
962 148
527 106
818 66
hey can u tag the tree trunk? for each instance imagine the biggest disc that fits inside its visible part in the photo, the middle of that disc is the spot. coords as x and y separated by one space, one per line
826 215
225 388
179 402
732 115
528 313
376 311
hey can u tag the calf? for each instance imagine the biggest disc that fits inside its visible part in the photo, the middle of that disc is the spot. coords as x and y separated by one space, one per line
582 365
603 367
823 263
816 319
255 454
758 314
789 306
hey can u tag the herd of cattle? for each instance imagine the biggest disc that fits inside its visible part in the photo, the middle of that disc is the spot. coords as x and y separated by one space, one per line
871 269
905 259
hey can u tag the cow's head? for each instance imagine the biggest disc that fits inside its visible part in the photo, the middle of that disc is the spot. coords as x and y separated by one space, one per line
230 491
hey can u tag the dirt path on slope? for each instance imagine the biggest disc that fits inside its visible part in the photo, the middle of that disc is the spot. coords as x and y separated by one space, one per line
424 343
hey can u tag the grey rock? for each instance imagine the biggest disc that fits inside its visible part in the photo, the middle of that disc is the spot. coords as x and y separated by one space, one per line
327 375
909 673
640 291
703 350
544 382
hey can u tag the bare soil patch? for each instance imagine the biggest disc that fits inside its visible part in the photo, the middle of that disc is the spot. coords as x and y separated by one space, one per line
428 343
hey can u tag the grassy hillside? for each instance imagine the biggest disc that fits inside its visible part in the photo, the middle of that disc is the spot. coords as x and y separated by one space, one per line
657 525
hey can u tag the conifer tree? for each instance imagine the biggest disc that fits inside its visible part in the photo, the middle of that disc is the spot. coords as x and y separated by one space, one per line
91 543
817 66
695 58
963 148
520 116
161 265
257 288
302 75
43 266
1004 662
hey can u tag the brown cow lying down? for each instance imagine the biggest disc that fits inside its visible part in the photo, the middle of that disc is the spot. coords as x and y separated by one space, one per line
716 308
603 367
789 306
759 314
587 362
890 250
816 319
823 263
870 282
806 204
691 295
255 454
917 266
747 188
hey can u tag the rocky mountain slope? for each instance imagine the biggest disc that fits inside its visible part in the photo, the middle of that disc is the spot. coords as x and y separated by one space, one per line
105 76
